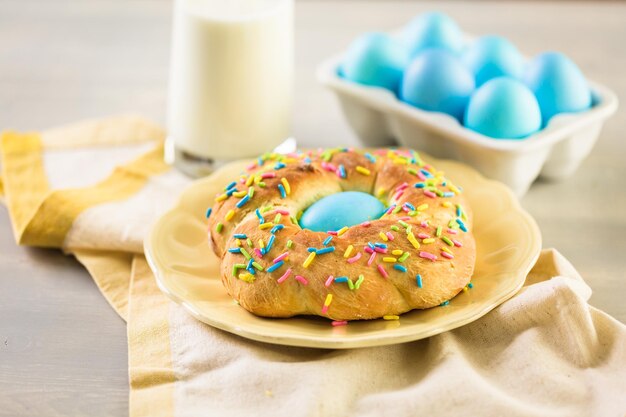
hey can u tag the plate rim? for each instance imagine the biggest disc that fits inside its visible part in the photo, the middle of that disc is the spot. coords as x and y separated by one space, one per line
353 341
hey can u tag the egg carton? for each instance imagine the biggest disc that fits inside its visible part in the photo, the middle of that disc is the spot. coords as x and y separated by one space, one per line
379 118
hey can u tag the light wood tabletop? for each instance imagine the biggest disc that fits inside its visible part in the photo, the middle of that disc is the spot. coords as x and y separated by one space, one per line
63 349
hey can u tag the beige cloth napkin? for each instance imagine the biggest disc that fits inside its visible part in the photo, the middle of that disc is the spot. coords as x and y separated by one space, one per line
545 352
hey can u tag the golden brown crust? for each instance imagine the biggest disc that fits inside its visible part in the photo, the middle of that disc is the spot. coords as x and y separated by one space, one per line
426 223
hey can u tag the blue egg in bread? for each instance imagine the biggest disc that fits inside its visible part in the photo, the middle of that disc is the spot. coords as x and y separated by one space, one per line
433 30
503 108
558 84
335 211
436 80
375 59
493 56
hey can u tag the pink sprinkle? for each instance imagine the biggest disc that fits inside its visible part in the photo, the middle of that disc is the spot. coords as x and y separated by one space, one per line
301 280
390 235
332 232
402 186
380 250
242 181
251 166
258 252
427 255
428 167
366 224
268 175
397 195
406 209
338 172
324 309
457 243
430 194
404 218
380 152
281 211
423 235
421 176
368 249
339 323
329 281
371 259
382 271
284 277
452 231
328 166
280 257
424 224
390 209
355 258
447 255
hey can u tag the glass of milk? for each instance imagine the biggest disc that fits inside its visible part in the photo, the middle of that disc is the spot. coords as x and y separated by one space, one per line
231 76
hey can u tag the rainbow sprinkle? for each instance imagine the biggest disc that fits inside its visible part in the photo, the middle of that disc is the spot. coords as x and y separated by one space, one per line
382 271
281 257
354 258
427 255
327 301
362 170
342 230
283 193
329 281
359 281
325 250
413 241
284 276
286 185
309 259
341 171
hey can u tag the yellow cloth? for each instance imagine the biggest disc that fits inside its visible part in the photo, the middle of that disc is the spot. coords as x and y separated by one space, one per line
543 352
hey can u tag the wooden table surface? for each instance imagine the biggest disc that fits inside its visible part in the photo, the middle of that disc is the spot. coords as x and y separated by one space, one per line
63 349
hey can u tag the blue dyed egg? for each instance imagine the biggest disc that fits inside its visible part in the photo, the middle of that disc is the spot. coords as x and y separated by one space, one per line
503 108
375 59
341 209
558 84
437 81
493 56
433 30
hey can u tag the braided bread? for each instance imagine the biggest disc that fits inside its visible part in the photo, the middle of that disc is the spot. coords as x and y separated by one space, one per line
420 253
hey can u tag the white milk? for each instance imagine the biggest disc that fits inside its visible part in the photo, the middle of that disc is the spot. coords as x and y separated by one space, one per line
231 77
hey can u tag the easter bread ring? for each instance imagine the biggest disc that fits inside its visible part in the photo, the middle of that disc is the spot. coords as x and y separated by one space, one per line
418 254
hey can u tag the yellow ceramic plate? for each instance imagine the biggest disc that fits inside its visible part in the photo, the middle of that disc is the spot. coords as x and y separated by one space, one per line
508 242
